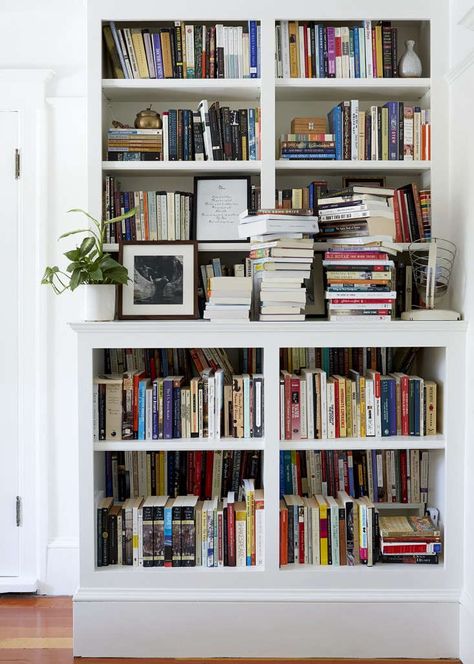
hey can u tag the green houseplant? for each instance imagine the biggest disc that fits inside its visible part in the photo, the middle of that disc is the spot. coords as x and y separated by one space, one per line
90 267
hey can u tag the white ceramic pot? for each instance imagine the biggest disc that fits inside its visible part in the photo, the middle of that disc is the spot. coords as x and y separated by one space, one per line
410 64
99 303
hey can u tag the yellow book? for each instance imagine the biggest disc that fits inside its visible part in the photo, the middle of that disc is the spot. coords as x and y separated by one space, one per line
139 47
348 407
385 133
361 145
362 408
341 387
249 489
430 408
323 530
294 49
240 534
378 50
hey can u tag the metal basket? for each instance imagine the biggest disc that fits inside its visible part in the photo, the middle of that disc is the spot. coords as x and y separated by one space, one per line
432 262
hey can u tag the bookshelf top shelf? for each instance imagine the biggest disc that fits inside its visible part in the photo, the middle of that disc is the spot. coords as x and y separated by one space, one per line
181 89
312 89
437 442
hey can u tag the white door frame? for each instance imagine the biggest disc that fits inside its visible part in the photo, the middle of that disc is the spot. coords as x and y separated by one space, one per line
24 91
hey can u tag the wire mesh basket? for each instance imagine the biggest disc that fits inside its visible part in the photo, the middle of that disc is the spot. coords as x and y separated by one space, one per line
432 262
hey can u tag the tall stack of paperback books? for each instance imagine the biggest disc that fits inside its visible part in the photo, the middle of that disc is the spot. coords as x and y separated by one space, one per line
281 261
359 284
229 298
409 539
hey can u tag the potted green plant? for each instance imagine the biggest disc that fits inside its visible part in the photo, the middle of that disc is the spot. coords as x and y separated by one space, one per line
92 268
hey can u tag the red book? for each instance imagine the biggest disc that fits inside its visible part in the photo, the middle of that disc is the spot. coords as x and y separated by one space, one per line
398 221
190 473
355 255
283 536
404 215
374 54
287 404
338 41
298 474
404 399
208 475
295 406
301 535
336 408
419 217
197 473
362 301
403 473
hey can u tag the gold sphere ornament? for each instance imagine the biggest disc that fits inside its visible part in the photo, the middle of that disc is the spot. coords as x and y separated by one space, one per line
148 119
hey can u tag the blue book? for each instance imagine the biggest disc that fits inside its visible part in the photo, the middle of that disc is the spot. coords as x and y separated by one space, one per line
311 195
142 385
288 472
154 424
392 129
385 404
335 127
282 475
350 473
173 134
375 475
321 50
168 535
355 32
253 47
164 362
109 491
116 39
170 473
128 222
157 55
351 48
310 157
177 412
168 408
252 138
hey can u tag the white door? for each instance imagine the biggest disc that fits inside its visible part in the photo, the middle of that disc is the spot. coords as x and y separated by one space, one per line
9 332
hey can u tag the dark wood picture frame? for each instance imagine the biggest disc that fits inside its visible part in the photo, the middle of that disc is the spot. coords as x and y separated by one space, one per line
169 243
354 180
200 178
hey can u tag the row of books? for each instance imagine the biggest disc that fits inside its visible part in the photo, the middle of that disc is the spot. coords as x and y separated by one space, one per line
229 298
341 360
308 146
202 473
159 531
216 269
344 531
128 144
315 50
160 362
299 198
132 406
160 215
395 131
315 405
385 476
359 284
184 51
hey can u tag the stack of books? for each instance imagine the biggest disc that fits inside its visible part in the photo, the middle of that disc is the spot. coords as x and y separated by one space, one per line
311 50
298 198
131 144
307 146
360 284
229 298
281 261
357 212
409 539
412 211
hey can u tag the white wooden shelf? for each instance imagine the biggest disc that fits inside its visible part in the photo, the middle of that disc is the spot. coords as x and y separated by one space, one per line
180 167
199 569
179 444
370 443
378 568
247 89
212 247
328 166
327 89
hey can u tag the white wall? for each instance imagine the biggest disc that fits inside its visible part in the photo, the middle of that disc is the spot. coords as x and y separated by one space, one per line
51 34
462 218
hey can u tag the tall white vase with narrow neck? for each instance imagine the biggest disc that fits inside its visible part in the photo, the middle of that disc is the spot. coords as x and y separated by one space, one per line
410 64
99 302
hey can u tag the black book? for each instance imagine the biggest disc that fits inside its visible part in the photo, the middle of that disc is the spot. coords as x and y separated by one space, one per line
188 531
176 527
208 52
387 49
244 133
235 135
226 132
158 531
173 134
198 139
291 534
101 405
198 51
178 50
379 131
401 120
394 53
147 532
103 556
313 50
349 507
217 150
179 135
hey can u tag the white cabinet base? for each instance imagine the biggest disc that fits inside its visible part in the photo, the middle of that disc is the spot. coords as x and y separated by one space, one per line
105 628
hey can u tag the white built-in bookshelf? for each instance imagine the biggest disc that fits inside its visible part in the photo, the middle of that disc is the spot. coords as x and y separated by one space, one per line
302 611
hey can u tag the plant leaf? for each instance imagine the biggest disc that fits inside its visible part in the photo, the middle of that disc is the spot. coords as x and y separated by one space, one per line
87 244
79 230
76 279
125 215
89 216
73 255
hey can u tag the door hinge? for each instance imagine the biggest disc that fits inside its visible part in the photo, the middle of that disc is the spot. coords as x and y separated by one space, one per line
17 164
19 511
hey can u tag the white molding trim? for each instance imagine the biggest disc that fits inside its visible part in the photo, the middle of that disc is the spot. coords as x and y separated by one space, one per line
460 68
467 21
466 599
62 567
399 596
18 585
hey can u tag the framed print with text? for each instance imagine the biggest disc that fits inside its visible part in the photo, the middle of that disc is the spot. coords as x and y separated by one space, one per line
218 201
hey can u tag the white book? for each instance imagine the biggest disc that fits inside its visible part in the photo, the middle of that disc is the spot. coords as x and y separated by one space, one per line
301 58
241 542
374 137
309 378
165 137
148 413
285 49
331 410
203 109
315 545
211 406
303 410
259 531
283 295
230 300
247 404
231 283
359 306
322 401
368 48
369 407
361 262
170 211
362 62
334 516
282 317
240 52
218 401
345 51
354 129
339 74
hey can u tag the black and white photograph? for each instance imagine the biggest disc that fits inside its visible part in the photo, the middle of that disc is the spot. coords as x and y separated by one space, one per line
163 283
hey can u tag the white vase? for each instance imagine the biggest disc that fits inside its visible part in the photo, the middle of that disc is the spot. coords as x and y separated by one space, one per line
410 64
99 302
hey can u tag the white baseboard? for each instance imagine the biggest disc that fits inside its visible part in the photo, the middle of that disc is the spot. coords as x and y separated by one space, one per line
466 635
18 584
265 629
62 567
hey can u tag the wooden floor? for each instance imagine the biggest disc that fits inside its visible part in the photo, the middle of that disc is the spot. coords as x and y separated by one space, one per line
38 630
